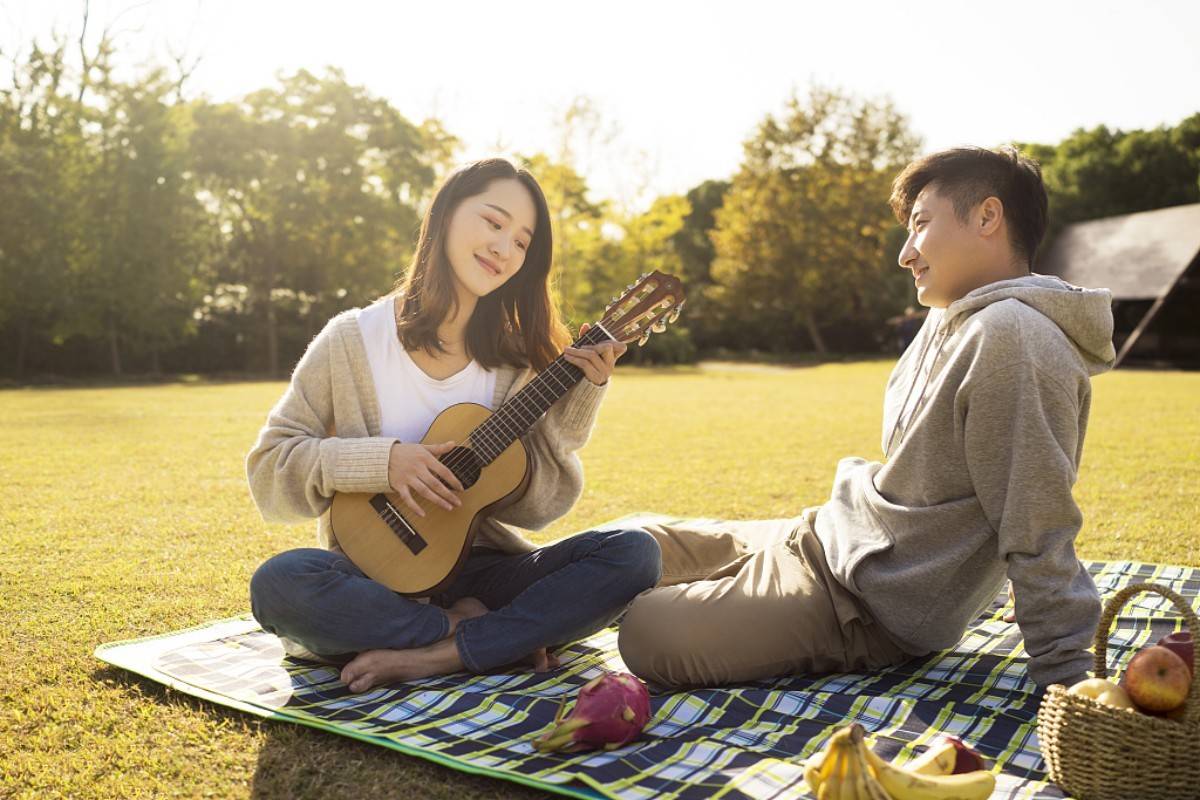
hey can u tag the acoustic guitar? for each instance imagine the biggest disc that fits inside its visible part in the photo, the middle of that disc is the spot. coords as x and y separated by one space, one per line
419 556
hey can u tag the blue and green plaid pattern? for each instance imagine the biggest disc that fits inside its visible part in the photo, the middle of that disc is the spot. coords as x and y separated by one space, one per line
746 741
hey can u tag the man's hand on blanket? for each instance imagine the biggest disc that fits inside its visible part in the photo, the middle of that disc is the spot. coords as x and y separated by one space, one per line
1011 614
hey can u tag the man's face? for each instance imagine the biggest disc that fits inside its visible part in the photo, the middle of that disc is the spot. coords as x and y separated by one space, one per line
944 254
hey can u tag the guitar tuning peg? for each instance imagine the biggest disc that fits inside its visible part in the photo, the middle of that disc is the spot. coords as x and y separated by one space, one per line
674 315
645 338
659 327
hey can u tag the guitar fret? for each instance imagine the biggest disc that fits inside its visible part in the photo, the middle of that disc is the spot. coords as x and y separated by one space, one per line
489 439
527 403
506 426
550 373
495 440
538 388
527 406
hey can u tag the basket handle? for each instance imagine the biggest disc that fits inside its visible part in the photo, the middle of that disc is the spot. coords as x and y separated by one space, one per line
1117 602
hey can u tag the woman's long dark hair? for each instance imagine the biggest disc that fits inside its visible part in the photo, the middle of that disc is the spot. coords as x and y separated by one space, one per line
518 323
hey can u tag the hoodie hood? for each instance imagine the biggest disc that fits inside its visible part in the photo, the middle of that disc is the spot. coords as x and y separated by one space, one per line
1084 315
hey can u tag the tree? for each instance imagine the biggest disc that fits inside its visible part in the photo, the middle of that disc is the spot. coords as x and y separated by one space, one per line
582 248
800 238
1102 172
41 156
694 246
316 185
134 274
648 243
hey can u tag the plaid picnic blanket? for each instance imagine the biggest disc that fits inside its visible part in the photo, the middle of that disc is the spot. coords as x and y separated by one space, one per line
745 741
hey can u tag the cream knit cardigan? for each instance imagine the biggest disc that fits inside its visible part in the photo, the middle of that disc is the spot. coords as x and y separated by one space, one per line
323 436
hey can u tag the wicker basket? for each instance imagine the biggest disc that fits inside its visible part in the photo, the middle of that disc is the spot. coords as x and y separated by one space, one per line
1097 752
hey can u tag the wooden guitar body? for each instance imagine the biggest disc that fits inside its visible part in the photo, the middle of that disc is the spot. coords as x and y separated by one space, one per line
419 556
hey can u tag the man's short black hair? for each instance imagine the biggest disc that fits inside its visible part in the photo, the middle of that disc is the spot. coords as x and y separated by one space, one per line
969 175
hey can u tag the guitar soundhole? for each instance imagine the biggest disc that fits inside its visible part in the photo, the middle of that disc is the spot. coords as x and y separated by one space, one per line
464 464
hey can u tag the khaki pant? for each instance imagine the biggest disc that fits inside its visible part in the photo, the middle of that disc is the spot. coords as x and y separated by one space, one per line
740 601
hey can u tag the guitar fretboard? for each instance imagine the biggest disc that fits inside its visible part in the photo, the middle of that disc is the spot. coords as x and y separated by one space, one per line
513 419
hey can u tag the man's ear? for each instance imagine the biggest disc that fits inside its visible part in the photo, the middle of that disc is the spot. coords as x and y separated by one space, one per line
989 216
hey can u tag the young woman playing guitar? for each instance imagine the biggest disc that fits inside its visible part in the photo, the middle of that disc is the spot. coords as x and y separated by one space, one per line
472 322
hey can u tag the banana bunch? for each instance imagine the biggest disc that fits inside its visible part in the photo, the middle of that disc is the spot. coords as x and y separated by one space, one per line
848 769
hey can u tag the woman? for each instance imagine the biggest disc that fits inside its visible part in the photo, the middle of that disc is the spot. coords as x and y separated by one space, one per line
472 323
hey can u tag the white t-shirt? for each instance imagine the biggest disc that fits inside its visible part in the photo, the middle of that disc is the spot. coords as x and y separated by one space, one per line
409 399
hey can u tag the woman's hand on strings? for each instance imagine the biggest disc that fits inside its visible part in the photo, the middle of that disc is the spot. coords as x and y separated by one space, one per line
414 470
596 360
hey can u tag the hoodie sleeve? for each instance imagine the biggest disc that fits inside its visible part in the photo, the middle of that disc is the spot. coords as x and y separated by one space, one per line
296 466
1022 434
556 473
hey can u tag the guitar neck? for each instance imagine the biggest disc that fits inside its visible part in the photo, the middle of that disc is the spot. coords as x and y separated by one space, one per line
514 419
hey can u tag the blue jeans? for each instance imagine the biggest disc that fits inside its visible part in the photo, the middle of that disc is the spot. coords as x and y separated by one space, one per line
550 596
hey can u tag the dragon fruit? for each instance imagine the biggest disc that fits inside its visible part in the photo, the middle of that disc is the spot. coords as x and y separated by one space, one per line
611 711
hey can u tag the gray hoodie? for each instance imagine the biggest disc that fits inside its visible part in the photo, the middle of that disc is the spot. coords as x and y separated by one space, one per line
984 420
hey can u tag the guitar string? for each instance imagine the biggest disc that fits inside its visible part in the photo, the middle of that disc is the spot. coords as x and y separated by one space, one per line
492 442
489 437
495 440
524 400
491 434
493 431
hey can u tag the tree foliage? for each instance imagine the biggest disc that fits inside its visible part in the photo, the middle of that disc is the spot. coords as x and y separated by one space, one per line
317 186
800 240
1103 172
147 230
41 168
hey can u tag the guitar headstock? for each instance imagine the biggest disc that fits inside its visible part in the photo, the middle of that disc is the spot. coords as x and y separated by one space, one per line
648 305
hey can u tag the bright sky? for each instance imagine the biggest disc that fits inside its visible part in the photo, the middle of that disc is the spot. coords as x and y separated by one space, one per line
681 83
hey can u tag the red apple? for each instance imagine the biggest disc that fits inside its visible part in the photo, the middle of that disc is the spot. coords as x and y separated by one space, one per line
1181 643
1157 679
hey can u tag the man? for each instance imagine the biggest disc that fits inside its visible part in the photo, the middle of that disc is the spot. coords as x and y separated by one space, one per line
983 428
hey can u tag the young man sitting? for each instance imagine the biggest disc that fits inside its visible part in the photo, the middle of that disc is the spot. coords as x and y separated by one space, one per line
983 428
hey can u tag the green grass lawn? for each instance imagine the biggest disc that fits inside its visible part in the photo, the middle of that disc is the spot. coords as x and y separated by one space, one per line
124 512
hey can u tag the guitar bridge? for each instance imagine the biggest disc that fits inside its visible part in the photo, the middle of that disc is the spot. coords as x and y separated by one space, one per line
399 525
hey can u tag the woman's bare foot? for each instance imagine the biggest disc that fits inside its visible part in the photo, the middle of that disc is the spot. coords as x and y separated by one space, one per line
372 668
466 608
542 660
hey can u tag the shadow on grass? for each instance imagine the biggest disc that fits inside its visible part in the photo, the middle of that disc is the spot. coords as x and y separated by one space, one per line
296 761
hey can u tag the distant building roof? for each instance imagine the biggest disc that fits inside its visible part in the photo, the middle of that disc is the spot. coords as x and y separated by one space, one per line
1137 256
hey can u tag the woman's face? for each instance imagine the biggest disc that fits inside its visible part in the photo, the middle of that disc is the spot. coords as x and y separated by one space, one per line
489 235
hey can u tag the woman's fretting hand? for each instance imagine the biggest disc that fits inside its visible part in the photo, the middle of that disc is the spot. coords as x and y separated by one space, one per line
596 360
414 469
